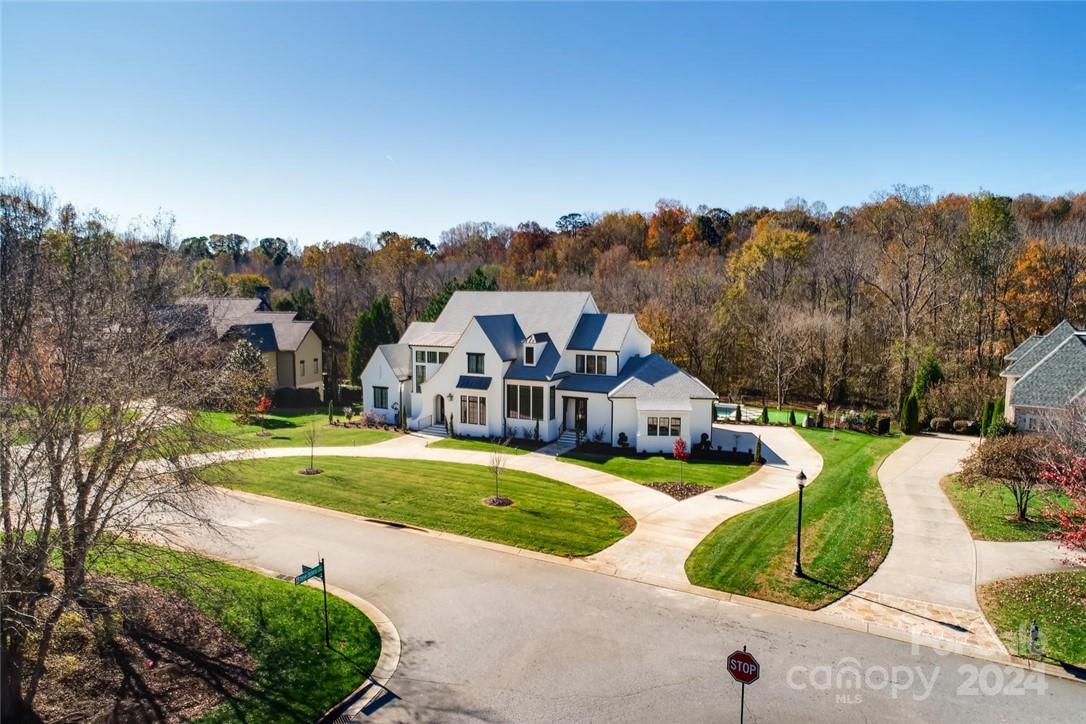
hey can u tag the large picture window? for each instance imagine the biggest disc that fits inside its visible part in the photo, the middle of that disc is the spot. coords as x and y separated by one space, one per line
472 410
380 398
420 377
475 363
524 402
665 426
591 364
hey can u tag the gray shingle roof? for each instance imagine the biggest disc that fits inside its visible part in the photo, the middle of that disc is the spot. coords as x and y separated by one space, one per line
555 312
603 332
1021 349
268 331
1040 350
1057 379
399 359
503 332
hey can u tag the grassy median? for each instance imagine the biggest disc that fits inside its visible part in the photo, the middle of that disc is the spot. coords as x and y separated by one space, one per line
287 428
847 530
990 514
546 515
660 469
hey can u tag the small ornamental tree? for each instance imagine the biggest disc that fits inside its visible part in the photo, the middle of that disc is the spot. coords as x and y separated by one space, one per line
1069 476
260 410
792 418
243 380
765 415
739 412
758 449
1016 462
680 453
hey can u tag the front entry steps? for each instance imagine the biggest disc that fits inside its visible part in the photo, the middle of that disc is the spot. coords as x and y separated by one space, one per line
565 442
435 431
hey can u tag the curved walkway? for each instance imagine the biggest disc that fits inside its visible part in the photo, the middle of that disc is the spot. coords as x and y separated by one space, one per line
927 584
658 548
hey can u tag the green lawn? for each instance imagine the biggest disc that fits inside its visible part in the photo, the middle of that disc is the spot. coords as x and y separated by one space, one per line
661 469
287 428
989 511
847 531
1057 601
546 516
280 624
514 447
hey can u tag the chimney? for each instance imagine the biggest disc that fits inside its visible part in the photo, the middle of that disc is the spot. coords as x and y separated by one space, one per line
263 293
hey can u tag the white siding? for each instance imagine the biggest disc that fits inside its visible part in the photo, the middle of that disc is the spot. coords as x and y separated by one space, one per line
625 420
378 373
445 380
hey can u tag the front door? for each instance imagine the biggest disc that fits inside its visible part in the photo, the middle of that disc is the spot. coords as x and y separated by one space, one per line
439 410
580 415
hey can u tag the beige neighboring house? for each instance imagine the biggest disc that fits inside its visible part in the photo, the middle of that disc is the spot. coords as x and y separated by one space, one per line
292 349
1044 375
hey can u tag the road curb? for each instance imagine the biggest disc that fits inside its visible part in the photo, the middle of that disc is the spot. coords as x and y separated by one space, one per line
387 661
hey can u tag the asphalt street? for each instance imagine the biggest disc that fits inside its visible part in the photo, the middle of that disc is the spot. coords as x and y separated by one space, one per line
492 636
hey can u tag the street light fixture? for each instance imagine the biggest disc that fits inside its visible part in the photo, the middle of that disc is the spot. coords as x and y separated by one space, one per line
801 482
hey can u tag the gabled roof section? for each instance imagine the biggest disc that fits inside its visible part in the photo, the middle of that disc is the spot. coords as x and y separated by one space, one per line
473 382
603 332
654 378
543 369
1040 350
398 357
1021 349
268 331
1057 379
555 312
504 333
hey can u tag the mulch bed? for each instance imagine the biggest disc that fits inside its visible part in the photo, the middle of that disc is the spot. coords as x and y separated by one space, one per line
143 656
498 501
679 491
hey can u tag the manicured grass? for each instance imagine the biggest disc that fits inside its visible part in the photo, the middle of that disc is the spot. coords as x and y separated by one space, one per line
847 531
546 516
1057 601
287 428
281 626
989 511
514 447
661 469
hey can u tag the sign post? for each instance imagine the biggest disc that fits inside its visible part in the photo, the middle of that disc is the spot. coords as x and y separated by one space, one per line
745 669
307 573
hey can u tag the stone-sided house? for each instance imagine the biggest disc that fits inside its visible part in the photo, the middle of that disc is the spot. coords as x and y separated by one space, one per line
505 363
292 349
1044 375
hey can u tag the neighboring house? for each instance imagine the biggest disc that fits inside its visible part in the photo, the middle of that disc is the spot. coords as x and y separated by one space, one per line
504 363
292 349
1045 373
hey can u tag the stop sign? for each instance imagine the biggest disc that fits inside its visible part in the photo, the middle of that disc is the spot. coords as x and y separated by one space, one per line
743 667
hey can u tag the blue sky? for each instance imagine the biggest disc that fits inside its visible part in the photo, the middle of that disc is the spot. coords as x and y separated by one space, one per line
327 121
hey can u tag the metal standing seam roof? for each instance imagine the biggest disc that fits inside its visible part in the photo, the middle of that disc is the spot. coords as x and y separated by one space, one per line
602 332
398 357
647 379
473 382
503 332
1057 379
556 312
543 369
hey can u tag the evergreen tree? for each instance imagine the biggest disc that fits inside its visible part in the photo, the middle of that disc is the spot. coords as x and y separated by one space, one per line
910 415
372 328
758 450
998 413
928 374
765 415
986 417
477 281
792 418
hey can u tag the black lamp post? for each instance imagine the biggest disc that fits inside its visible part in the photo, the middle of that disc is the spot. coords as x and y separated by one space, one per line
801 482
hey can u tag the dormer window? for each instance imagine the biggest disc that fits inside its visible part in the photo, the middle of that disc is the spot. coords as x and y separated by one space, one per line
529 355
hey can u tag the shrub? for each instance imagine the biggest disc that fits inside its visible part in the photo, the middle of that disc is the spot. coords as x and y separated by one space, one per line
296 398
739 412
965 427
928 374
986 416
821 420
792 418
883 425
623 441
940 424
1001 428
597 436
535 434
331 414
910 414
870 421
765 416
758 450
705 443
372 419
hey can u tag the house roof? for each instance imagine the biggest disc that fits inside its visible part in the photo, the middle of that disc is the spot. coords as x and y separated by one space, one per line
1055 380
503 332
545 363
398 357
1021 349
473 382
650 379
603 332
1040 349
422 334
268 331
654 378
556 312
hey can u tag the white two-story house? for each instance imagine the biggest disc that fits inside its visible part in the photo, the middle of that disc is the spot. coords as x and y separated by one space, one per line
501 364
